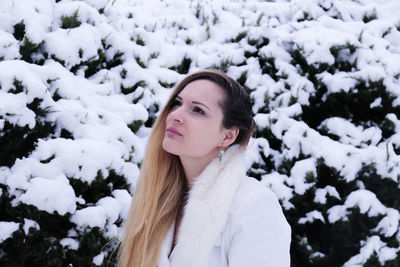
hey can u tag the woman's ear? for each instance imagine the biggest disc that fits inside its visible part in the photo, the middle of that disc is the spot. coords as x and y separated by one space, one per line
230 136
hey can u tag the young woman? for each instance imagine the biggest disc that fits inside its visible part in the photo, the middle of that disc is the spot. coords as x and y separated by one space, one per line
193 205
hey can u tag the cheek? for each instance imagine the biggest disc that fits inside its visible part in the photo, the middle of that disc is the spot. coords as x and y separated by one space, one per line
168 118
206 134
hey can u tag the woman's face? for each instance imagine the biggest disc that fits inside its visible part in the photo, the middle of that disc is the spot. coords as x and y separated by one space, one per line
194 123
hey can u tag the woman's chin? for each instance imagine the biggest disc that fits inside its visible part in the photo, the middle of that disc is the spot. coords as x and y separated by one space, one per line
170 148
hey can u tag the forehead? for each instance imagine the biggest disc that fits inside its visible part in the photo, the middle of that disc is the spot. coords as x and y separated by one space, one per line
203 90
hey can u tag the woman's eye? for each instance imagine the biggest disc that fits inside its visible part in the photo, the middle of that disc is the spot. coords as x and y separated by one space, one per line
175 103
198 110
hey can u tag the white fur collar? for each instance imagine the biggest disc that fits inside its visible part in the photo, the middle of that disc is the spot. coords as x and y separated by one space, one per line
206 211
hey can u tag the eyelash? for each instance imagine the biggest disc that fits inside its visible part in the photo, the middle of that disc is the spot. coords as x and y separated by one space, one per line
195 109
198 110
175 103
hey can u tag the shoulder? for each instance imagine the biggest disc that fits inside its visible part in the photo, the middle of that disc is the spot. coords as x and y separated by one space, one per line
258 232
256 206
254 195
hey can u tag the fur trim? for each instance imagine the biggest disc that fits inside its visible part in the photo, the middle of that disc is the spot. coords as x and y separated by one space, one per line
206 211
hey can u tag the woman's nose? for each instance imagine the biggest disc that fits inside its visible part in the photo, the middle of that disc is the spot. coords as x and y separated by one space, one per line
176 115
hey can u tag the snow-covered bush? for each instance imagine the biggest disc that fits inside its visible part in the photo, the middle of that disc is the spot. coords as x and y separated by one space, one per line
81 83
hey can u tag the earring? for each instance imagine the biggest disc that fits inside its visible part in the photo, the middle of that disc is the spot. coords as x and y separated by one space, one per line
221 153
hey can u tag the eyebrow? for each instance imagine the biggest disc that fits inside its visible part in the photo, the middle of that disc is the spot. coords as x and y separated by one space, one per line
194 102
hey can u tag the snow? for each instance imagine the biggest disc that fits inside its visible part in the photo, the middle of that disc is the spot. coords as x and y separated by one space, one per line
312 216
50 195
7 229
90 216
124 200
338 82
276 182
59 43
28 224
98 260
373 244
9 42
13 103
365 200
299 173
111 207
70 243
390 223
322 193
351 134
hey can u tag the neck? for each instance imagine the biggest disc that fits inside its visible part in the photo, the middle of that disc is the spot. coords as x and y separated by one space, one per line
193 167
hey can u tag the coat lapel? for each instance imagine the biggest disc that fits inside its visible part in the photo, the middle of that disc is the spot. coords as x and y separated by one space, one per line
206 211
166 248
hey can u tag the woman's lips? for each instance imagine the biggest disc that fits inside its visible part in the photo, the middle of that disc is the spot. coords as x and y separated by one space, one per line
171 131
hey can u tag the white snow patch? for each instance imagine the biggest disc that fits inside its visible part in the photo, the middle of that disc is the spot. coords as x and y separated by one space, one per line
50 195
7 229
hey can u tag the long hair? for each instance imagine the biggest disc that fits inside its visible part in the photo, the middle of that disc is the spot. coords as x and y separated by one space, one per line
161 185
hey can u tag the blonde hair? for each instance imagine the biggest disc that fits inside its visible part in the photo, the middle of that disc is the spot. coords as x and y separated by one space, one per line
160 188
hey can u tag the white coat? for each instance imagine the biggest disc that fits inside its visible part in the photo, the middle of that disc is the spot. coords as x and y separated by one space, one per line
229 220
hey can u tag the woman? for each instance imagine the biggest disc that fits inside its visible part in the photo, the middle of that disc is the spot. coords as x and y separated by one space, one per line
193 204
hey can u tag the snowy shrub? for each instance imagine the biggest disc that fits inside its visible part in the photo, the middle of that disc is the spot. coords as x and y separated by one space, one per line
81 83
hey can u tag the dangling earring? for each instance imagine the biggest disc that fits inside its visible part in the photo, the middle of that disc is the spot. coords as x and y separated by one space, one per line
221 153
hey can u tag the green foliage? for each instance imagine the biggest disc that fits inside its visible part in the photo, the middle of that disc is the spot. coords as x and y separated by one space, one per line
139 41
224 65
386 190
70 22
153 109
66 134
156 54
26 249
40 112
198 10
373 261
18 87
98 62
166 84
56 96
239 37
135 125
343 55
355 106
101 62
242 79
140 62
208 31
260 18
95 63
268 67
19 30
306 16
337 241
274 142
100 187
28 49
91 242
370 17
18 141
215 19
308 70
184 67
131 89
123 73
